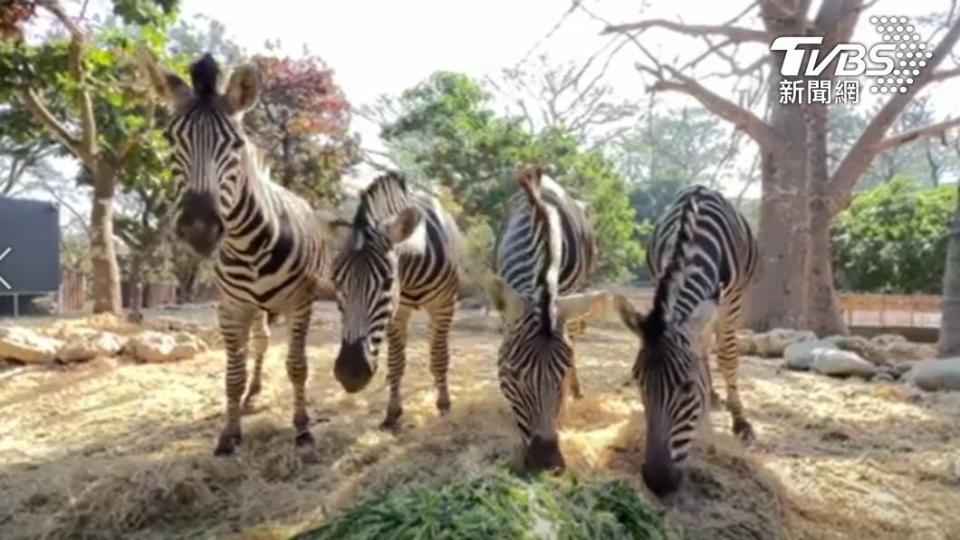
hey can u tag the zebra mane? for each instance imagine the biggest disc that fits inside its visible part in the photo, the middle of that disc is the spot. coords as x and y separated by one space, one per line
674 273
204 75
547 247
386 196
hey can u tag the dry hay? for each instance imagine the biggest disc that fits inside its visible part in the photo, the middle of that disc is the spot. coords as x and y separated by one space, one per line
110 449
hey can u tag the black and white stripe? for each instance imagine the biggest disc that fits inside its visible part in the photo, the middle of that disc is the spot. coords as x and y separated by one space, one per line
268 254
399 253
545 252
702 254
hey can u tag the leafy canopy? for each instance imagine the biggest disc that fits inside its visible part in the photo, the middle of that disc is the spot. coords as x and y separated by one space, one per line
893 239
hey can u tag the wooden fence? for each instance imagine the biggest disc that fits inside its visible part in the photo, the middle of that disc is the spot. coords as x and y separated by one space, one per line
860 310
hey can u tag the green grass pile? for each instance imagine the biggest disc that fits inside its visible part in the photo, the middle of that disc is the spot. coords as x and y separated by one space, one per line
498 505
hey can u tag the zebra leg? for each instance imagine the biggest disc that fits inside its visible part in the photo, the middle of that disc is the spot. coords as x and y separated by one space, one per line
259 341
575 329
234 323
729 360
439 335
396 363
297 372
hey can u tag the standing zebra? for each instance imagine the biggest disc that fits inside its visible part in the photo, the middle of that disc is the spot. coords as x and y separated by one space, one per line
702 255
546 249
268 257
400 253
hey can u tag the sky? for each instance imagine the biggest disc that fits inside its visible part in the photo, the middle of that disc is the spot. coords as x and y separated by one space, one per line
381 47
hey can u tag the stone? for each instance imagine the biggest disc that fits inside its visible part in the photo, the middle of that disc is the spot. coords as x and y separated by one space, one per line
155 347
884 349
772 344
100 344
887 339
25 345
936 374
842 364
746 344
799 355
884 376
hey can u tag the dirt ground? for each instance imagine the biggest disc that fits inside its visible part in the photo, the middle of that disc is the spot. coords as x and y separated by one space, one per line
116 449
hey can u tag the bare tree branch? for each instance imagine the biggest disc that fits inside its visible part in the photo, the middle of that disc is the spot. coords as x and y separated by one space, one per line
43 115
740 117
933 130
735 34
861 154
78 40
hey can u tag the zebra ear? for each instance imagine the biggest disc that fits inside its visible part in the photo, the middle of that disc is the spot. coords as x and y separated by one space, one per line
630 317
504 299
242 90
584 305
401 226
333 228
163 82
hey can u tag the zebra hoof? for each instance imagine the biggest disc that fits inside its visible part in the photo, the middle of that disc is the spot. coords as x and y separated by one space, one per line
227 445
249 405
392 421
443 407
744 431
305 440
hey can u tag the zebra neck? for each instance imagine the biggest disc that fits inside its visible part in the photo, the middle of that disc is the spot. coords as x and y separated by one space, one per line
248 218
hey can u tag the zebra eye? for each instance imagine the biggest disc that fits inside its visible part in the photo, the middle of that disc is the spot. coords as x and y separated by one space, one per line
237 144
687 387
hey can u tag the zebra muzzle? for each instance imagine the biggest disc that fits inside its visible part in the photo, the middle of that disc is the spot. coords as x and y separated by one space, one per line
352 369
543 454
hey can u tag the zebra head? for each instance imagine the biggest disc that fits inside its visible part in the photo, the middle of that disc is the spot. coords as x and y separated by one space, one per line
674 386
534 361
366 278
207 143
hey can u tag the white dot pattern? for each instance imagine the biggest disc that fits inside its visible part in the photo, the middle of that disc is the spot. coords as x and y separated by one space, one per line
900 31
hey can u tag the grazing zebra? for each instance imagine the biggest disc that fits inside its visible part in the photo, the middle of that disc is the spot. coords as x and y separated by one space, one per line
399 253
702 255
546 249
269 258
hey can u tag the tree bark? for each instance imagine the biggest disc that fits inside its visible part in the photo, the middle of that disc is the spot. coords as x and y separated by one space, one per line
823 315
106 271
777 296
949 343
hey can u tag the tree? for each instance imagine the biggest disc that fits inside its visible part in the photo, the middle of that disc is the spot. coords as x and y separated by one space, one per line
801 193
949 342
893 238
78 92
302 123
446 129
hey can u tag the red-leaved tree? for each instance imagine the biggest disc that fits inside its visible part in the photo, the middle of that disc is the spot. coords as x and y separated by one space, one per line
302 124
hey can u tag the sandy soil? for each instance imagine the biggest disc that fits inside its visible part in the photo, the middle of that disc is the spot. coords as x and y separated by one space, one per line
115 449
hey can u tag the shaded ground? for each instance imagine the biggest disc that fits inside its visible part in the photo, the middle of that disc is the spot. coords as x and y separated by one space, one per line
112 449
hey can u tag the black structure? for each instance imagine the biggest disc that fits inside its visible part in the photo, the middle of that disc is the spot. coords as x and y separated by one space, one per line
29 251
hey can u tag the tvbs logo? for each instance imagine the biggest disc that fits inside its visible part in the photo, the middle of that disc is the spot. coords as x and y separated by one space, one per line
895 61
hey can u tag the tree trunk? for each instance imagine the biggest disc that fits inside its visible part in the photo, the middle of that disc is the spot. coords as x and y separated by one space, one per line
135 280
822 310
949 344
106 271
777 296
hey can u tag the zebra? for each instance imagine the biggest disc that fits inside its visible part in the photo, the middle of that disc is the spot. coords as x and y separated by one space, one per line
546 250
268 257
702 254
399 253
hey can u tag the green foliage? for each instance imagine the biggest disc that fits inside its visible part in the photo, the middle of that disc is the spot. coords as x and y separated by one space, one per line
446 129
498 505
893 239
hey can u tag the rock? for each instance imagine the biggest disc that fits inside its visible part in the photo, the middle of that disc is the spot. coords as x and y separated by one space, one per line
887 339
904 350
99 344
24 345
858 344
771 344
151 346
800 355
884 376
745 343
842 364
901 368
937 374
